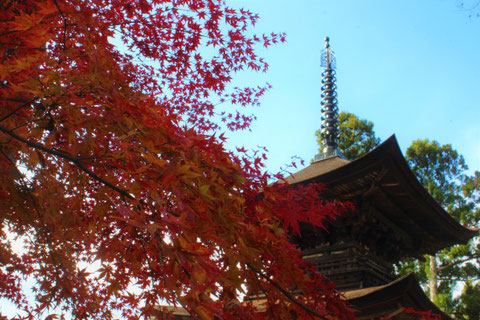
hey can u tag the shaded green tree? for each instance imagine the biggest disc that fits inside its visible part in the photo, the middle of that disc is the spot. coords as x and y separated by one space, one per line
357 136
467 306
443 173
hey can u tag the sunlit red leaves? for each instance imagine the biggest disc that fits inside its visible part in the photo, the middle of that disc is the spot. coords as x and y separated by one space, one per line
304 204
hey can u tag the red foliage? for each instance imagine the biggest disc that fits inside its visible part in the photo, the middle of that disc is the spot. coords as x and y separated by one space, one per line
423 315
110 178
418 315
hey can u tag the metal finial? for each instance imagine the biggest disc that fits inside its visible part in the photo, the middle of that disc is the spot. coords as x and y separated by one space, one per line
327 57
329 130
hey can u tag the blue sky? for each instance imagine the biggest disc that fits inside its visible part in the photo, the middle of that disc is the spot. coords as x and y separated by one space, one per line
411 67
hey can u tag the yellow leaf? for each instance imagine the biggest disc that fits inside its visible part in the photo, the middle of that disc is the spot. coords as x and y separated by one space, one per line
239 179
204 190
199 274
202 313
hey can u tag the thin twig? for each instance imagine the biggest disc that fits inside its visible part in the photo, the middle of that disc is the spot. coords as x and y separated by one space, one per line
18 108
151 270
143 19
57 264
268 298
285 292
167 281
64 24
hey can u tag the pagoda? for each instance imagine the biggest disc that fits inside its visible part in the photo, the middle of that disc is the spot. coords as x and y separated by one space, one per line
395 218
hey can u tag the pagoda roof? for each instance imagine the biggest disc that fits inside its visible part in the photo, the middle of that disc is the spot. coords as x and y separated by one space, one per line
369 303
390 299
401 204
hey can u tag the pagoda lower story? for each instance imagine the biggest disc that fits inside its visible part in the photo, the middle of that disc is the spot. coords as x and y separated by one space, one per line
350 265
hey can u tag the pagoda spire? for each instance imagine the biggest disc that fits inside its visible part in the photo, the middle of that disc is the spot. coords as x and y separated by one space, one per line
329 129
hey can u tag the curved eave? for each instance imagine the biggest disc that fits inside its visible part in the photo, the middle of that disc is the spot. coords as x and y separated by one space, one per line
390 298
385 174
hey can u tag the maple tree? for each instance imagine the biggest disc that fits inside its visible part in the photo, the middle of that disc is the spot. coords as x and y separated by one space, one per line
114 181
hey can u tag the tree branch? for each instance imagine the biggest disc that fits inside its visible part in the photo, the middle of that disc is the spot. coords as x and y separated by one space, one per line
457 262
66 156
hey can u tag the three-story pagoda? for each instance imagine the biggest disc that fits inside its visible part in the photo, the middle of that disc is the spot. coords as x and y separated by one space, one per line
395 218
